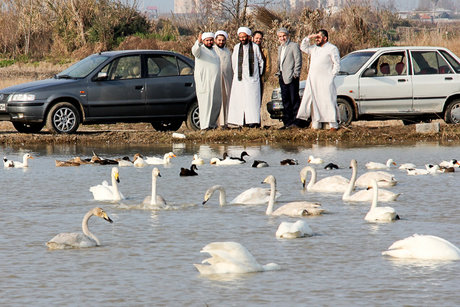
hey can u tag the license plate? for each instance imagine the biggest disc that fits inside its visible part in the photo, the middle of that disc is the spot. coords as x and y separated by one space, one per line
2 106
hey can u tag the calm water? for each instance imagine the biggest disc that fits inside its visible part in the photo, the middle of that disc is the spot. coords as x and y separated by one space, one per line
147 257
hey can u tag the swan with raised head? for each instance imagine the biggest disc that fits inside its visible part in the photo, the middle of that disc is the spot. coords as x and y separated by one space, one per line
105 192
197 160
77 239
241 157
378 165
312 160
425 247
230 257
188 172
160 161
365 195
252 196
299 229
296 208
17 164
154 199
329 184
379 214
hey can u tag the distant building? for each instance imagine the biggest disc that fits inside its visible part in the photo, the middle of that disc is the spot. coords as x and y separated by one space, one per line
190 6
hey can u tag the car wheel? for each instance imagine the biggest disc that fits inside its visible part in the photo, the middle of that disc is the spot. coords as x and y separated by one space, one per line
63 117
452 114
28 128
167 126
193 117
346 112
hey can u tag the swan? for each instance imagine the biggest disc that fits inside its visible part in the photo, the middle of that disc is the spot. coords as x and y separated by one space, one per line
154 199
406 166
158 161
298 229
7 163
417 171
77 239
252 196
259 163
188 172
197 160
314 160
384 179
105 192
433 169
289 162
377 165
379 214
450 163
296 208
139 161
17 164
329 184
230 257
125 161
424 247
365 195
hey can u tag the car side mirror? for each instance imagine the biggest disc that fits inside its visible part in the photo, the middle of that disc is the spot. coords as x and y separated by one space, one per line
101 76
370 72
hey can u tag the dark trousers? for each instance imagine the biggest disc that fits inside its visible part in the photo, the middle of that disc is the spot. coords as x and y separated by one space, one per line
291 100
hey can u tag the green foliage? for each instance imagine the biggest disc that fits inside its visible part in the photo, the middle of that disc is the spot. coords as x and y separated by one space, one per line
6 63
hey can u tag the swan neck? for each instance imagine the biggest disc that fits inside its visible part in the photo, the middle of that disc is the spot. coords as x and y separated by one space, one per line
222 197
313 177
351 184
115 188
271 201
375 195
153 197
85 229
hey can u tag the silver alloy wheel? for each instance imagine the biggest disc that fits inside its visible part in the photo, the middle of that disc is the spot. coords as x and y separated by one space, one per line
455 113
196 117
64 119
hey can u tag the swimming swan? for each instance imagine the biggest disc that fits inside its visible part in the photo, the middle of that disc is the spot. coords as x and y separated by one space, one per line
154 199
230 257
252 196
424 247
197 160
298 229
139 161
77 239
314 160
105 192
379 214
17 164
378 165
384 179
296 208
406 166
188 172
365 195
159 161
329 184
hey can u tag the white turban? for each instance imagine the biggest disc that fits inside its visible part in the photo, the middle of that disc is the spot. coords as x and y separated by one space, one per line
206 35
220 32
244 30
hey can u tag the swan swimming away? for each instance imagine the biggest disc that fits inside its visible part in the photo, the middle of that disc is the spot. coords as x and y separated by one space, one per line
296 208
365 195
154 199
252 196
159 161
378 165
298 229
329 184
105 192
425 247
77 239
17 164
314 160
230 257
379 214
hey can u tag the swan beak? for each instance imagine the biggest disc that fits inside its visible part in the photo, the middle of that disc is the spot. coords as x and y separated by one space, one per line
303 182
205 201
117 177
394 163
30 157
107 218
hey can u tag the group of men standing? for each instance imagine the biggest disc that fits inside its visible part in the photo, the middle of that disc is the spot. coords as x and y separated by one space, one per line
229 85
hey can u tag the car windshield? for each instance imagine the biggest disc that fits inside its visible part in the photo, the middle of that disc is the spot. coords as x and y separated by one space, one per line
82 68
352 62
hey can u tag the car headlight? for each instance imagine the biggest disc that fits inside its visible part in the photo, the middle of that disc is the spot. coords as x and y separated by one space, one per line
276 94
21 97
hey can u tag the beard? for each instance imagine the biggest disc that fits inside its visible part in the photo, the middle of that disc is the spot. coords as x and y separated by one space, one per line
244 41
220 45
209 47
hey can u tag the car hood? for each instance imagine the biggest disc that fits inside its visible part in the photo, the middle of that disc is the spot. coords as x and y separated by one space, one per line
36 85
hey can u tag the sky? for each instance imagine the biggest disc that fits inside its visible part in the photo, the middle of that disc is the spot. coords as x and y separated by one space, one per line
164 6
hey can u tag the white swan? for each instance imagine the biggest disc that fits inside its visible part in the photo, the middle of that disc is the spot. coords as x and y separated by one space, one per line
450 163
378 165
252 196
329 184
154 199
314 160
298 229
296 208
105 192
424 247
365 195
159 161
406 166
77 239
197 160
379 214
384 179
139 161
125 161
230 257
17 164
417 171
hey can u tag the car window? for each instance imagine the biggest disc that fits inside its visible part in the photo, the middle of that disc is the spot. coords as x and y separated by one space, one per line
162 66
452 61
128 67
389 64
184 68
428 63
352 62
84 67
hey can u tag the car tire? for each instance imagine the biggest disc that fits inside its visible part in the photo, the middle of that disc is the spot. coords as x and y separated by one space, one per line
346 112
63 117
193 117
167 126
28 128
452 113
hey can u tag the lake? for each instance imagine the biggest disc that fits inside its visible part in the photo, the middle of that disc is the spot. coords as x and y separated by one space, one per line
147 256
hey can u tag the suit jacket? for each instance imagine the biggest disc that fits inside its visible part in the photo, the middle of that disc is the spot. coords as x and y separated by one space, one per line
292 62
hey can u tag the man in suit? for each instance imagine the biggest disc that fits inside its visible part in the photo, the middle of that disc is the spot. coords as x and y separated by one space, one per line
289 67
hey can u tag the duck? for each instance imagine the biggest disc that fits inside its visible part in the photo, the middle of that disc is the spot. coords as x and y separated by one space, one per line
406 166
379 214
450 163
230 258
295 209
139 161
197 160
105 192
331 166
188 172
417 171
7 163
126 161
259 163
227 160
154 199
68 240
103 161
289 162
365 195
424 247
160 161
329 184
241 158
313 160
378 165
252 196
60 163
384 179
298 229
17 164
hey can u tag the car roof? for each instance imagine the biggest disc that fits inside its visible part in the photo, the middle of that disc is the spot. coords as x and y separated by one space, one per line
402 48
140 51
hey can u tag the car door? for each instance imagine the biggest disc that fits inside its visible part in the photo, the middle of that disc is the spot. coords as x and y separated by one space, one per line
169 85
385 87
121 94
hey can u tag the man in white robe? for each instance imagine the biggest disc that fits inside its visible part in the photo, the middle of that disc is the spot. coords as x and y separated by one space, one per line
247 62
207 80
225 55
319 100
